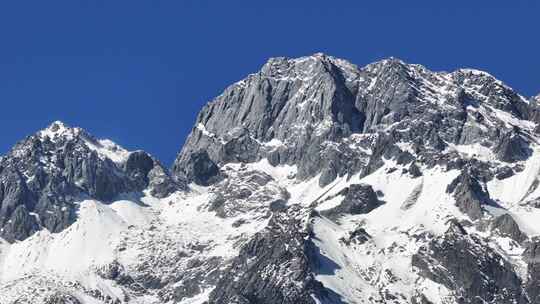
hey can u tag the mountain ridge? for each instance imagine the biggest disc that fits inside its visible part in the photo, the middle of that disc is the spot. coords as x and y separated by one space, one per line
346 119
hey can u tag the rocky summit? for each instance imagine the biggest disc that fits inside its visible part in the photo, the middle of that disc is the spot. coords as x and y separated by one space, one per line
310 181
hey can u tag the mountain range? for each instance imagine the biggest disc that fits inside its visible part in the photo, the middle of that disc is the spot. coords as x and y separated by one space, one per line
311 181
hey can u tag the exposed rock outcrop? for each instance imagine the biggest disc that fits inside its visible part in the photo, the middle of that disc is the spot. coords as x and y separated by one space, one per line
462 262
505 225
358 199
199 168
469 194
532 258
274 267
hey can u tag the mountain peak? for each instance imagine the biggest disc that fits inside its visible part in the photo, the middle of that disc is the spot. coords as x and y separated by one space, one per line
320 96
316 57
58 129
393 60
61 133
57 124
48 172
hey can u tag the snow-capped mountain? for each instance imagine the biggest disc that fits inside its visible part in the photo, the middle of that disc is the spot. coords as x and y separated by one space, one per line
310 181
43 176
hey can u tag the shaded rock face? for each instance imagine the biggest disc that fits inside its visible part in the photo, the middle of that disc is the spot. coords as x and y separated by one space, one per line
469 194
359 199
137 167
512 148
504 172
323 114
44 175
414 170
199 168
505 225
357 236
532 258
413 197
148 173
160 182
275 266
468 266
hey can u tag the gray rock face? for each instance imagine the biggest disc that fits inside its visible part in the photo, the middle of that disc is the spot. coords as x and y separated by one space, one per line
44 175
469 194
199 168
160 182
462 262
512 148
328 116
20 224
357 236
532 257
414 170
137 167
413 197
507 226
504 172
147 172
276 266
359 199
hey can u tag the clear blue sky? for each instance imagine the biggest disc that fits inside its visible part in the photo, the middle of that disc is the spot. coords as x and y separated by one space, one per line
138 71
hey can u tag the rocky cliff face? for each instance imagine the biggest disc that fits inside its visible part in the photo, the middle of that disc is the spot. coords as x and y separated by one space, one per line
321 113
310 181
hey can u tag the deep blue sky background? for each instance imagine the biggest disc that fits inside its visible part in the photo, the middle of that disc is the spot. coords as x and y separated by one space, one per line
138 71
